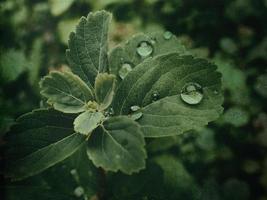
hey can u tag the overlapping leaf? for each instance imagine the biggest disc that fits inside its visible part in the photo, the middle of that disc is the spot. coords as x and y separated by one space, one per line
66 92
105 89
86 122
39 140
165 76
118 145
88 46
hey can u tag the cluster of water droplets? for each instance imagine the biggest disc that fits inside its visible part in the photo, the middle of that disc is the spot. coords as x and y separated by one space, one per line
136 112
192 93
109 112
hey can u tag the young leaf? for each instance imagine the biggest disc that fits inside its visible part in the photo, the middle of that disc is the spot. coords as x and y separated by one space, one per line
152 44
118 145
86 122
104 89
88 46
66 91
164 77
40 139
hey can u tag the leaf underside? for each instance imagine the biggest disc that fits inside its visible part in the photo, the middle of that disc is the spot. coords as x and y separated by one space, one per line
88 46
166 75
39 140
118 145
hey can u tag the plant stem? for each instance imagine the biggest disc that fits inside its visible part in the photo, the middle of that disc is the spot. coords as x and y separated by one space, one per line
102 183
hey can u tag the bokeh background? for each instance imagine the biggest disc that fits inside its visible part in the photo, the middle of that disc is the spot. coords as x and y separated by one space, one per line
227 160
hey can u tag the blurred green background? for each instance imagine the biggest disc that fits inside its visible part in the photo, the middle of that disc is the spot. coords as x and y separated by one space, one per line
225 160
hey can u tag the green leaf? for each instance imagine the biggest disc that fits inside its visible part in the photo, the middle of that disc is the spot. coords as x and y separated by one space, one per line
12 64
127 53
118 145
86 122
164 77
66 91
58 6
104 89
88 46
40 139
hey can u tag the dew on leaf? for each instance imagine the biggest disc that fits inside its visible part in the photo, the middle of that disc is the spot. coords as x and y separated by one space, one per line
144 49
137 114
192 93
125 69
78 191
155 96
153 41
167 35
135 108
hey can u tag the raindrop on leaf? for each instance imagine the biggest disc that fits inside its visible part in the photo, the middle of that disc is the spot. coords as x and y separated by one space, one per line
192 93
155 96
125 69
144 49
167 35
78 191
137 114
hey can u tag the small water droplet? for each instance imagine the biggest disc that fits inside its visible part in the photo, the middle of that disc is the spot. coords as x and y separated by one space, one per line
155 96
73 172
215 92
192 93
135 108
153 40
144 49
78 191
109 112
167 35
125 69
137 115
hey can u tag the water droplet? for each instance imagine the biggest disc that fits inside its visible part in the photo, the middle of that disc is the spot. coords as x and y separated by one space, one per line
153 40
125 69
136 116
192 93
155 96
109 112
73 172
167 35
135 108
215 92
144 49
78 191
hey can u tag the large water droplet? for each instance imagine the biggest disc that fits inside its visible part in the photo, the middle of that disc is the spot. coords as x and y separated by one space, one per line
125 69
137 114
144 49
192 93
167 35
78 191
